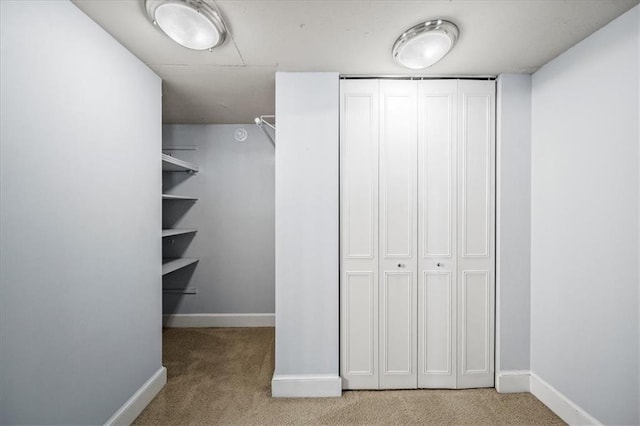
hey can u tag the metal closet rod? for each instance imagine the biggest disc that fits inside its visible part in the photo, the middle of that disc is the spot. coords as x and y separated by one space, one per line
260 121
180 148
414 77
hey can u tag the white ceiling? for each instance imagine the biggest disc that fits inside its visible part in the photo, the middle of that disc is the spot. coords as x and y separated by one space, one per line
235 82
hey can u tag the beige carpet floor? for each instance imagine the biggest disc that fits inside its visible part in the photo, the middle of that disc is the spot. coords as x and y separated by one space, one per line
222 376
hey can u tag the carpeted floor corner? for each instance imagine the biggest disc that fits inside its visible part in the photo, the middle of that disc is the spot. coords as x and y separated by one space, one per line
223 375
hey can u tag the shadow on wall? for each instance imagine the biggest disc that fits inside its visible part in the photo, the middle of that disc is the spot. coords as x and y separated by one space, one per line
174 286
173 211
177 246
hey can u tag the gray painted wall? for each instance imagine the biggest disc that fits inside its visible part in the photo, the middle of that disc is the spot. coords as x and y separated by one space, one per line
307 107
234 217
514 221
584 222
80 307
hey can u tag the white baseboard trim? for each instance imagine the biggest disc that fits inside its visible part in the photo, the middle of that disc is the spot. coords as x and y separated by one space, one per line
219 320
513 381
139 400
306 385
566 409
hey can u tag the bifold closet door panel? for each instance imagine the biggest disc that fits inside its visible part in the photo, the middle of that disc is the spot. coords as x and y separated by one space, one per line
359 132
417 244
437 274
398 234
476 233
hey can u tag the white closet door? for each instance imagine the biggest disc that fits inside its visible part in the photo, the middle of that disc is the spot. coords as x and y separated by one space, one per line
417 214
359 233
437 273
398 234
476 241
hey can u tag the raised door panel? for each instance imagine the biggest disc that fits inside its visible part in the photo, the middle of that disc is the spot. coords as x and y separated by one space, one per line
360 177
398 234
436 331
476 150
359 297
359 132
397 324
437 164
398 169
437 136
476 260
475 355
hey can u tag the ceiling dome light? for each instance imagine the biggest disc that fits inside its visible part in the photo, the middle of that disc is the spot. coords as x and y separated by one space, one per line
194 24
425 44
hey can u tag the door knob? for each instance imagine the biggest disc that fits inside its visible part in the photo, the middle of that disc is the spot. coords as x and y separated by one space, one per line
439 264
400 265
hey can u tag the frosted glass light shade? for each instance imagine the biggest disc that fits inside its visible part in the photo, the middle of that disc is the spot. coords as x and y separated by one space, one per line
425 44
195 25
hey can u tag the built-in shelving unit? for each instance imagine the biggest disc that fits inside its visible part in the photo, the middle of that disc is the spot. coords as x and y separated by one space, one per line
171 264
176 165
173 164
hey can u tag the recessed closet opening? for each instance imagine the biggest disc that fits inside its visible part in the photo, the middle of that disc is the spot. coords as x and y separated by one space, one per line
218 225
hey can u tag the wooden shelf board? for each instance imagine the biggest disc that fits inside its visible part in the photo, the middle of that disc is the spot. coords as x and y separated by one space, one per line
176 232
173 164
178 197
171 264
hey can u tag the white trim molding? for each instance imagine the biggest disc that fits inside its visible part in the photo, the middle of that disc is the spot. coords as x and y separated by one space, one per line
566 409
139 400
219 320
513 381
306 385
